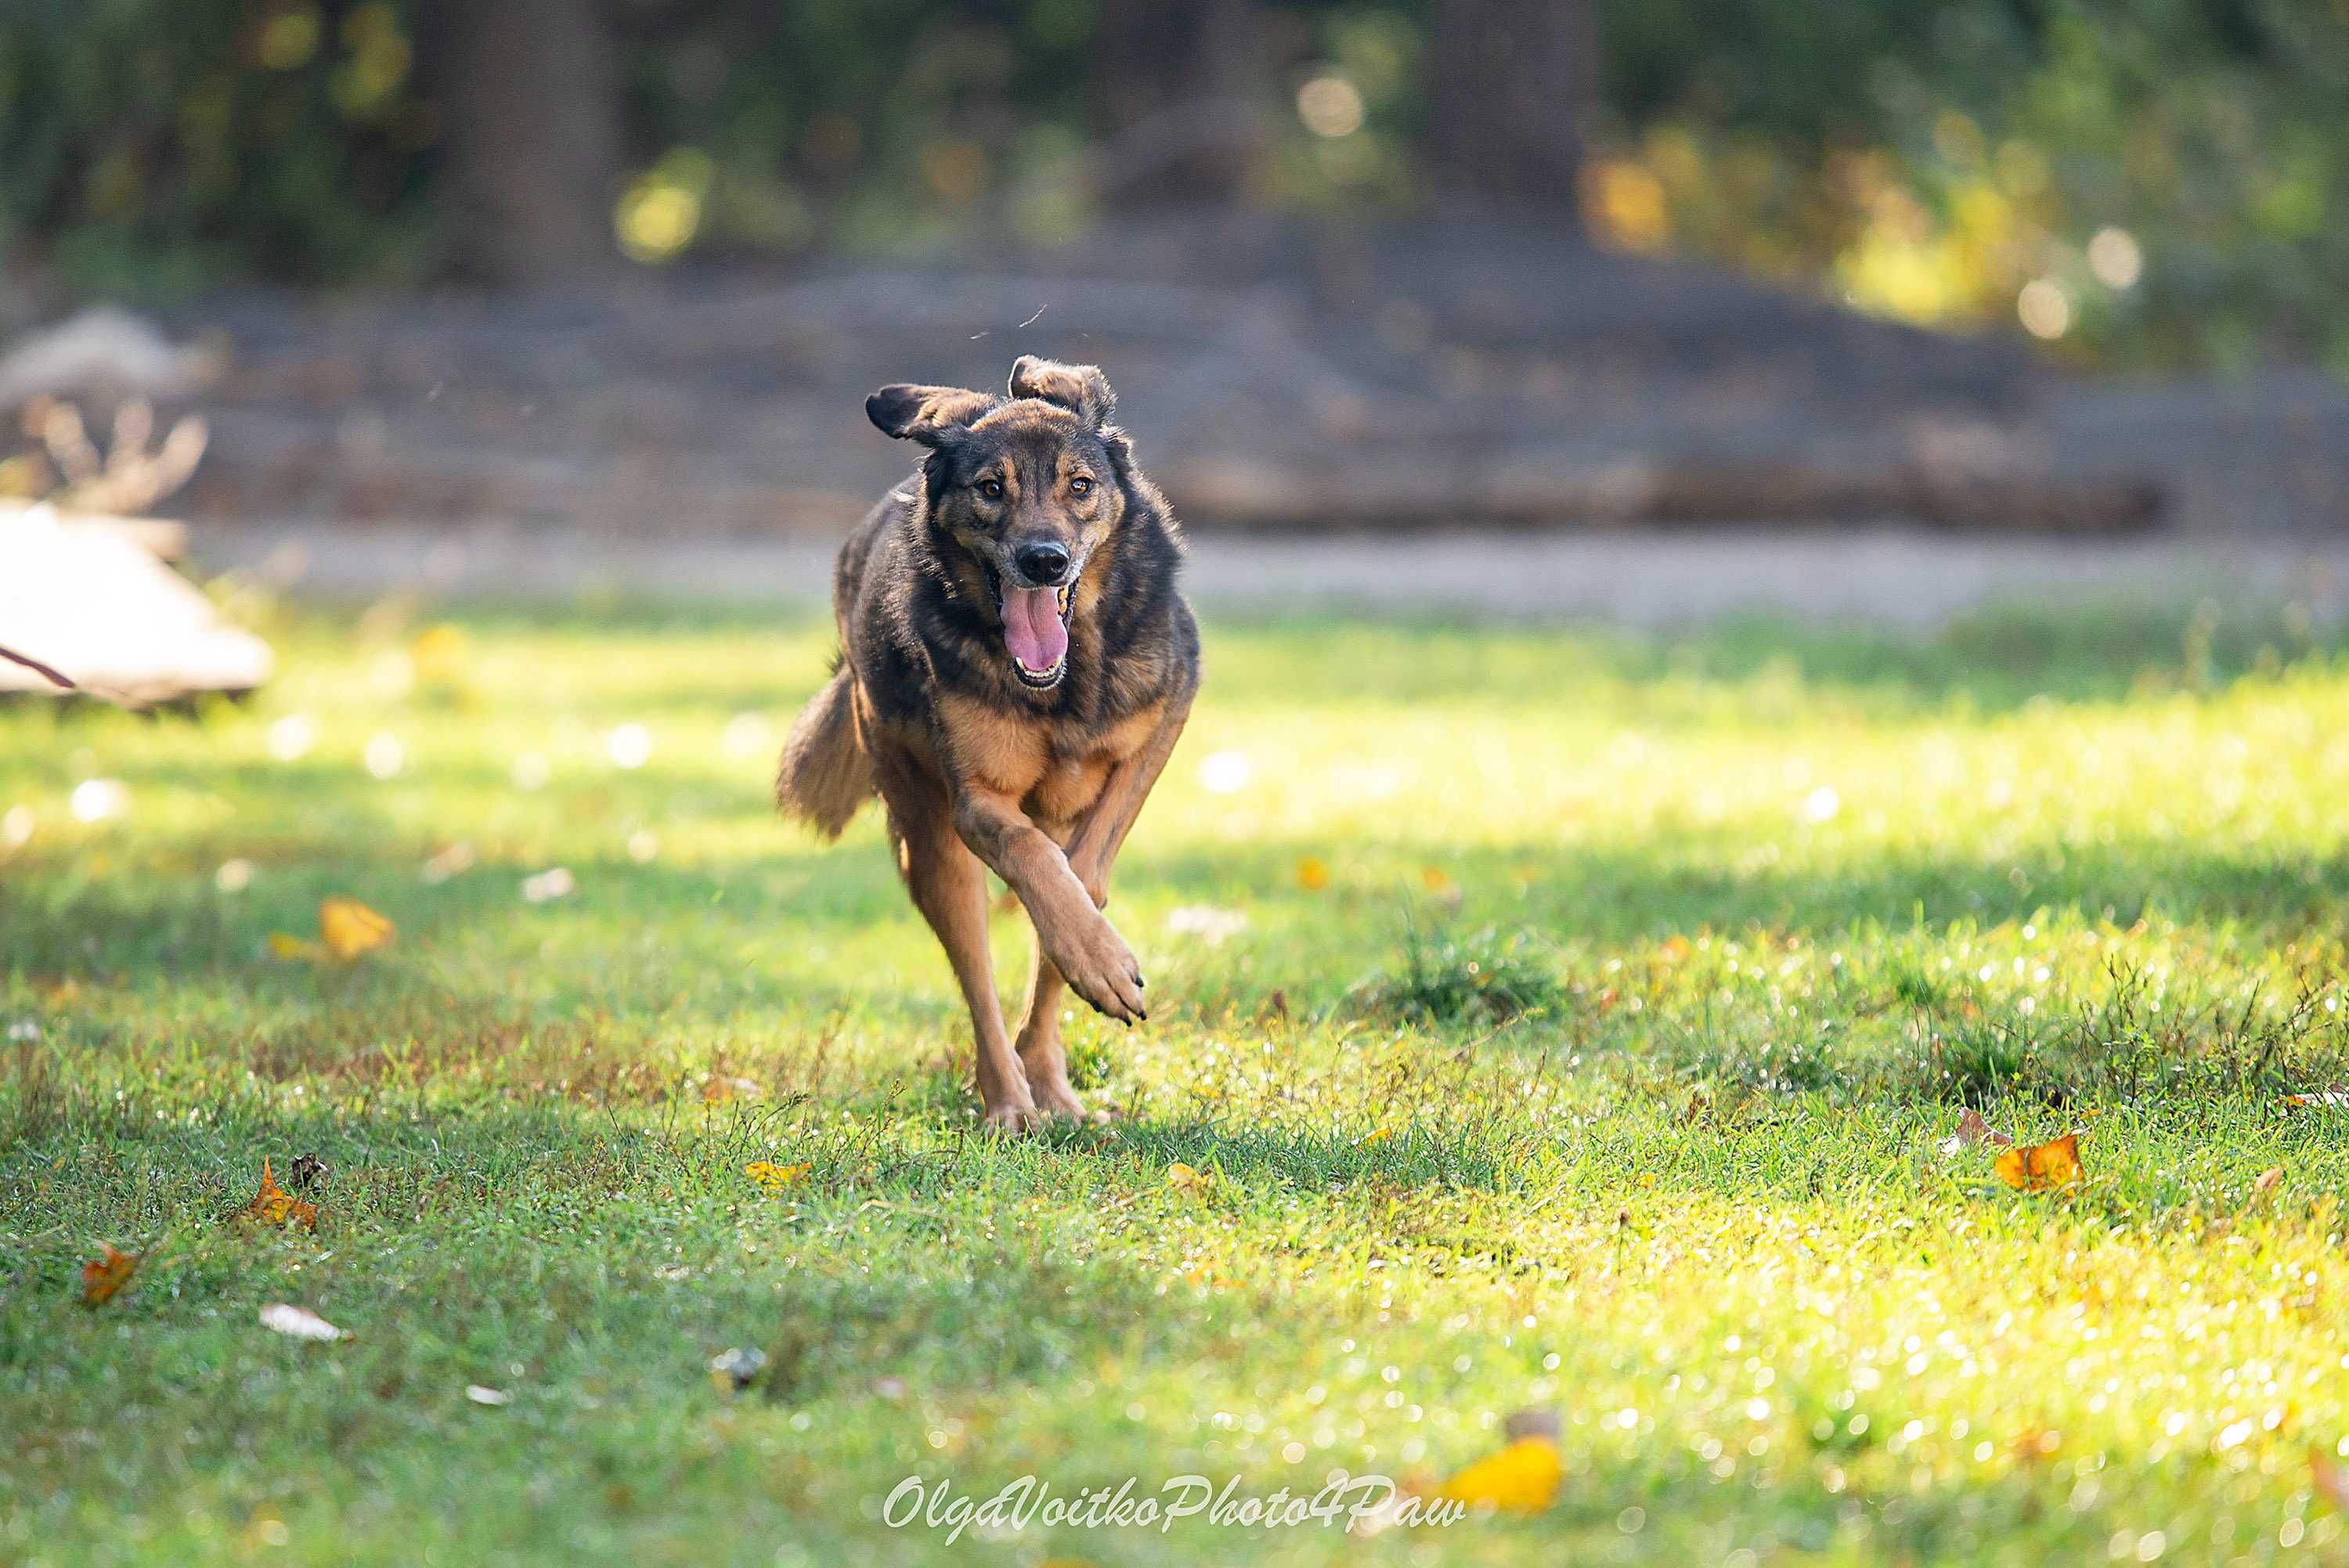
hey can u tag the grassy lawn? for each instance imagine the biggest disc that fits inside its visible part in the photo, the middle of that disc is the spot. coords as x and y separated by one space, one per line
1553 1020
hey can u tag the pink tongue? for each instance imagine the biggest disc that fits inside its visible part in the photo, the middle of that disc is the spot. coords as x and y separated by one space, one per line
1033 629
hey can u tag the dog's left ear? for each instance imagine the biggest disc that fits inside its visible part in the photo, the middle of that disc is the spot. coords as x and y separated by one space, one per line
930 415
1082 389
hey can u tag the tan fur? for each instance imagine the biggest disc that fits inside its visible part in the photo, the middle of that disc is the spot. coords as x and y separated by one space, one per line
826 773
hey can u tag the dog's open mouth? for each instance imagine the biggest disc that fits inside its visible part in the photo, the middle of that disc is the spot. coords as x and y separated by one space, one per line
1036 633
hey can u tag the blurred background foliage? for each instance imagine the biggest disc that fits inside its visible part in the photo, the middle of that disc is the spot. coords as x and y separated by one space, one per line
2139 183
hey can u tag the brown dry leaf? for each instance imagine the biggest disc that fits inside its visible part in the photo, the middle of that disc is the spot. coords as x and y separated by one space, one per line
722 1088
1973 1131
350 929
1522 1478
2323 1099
2039 1167
105 1274
2269 1181
272 1205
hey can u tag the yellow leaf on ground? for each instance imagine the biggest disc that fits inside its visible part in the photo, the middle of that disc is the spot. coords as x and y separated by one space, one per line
2042 1166
774 1178
1522 1478
1188 1177
438 655
285 945
272 1205
350 928
105 1274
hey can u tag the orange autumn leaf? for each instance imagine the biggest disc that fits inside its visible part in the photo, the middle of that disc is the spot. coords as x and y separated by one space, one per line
106 1274
1523 1478
350 929
272 1205
2036 1168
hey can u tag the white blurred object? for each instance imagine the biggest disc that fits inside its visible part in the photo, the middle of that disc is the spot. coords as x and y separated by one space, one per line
107 351
95 605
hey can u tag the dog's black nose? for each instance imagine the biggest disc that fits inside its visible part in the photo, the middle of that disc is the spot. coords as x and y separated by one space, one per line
1044 563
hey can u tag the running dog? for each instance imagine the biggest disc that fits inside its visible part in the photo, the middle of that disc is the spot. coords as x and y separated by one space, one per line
1015 666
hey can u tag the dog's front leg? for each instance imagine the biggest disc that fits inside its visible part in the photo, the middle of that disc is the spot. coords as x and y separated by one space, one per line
950 890
1091 851
1105 823
1083 945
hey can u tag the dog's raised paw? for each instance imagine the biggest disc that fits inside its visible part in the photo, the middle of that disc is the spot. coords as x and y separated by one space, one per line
1103 971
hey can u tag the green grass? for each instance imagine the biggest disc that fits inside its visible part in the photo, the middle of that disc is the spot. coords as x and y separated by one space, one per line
1606 1072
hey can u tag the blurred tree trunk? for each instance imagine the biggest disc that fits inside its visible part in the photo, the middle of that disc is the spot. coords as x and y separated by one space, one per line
529 95
1512 82
1177 85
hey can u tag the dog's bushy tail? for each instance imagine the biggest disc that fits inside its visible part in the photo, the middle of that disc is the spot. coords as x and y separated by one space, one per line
825 775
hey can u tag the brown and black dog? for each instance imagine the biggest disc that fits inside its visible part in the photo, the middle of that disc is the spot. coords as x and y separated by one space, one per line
1015 666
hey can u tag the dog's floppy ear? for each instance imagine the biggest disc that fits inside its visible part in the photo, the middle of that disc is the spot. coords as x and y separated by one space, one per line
1082 389
925 414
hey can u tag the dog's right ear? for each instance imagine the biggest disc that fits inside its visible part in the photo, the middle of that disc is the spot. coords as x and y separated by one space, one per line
925 414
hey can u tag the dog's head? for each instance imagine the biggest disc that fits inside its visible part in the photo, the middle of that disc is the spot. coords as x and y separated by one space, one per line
1027 488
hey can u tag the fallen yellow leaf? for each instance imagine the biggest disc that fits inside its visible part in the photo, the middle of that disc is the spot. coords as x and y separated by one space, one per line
2038 1167
350 928
1522 1478
438 655
105 1274
272 1205
1188 1177
774 1178
285 945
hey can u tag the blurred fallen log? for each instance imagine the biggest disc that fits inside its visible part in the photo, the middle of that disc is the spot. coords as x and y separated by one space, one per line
39 668
89 609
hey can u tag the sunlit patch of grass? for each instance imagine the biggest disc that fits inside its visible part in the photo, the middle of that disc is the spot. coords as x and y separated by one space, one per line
1639 1113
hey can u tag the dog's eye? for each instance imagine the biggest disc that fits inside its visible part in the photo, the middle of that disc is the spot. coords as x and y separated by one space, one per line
1081 485
991 489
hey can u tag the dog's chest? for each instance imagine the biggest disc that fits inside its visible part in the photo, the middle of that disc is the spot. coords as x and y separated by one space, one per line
1054 769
